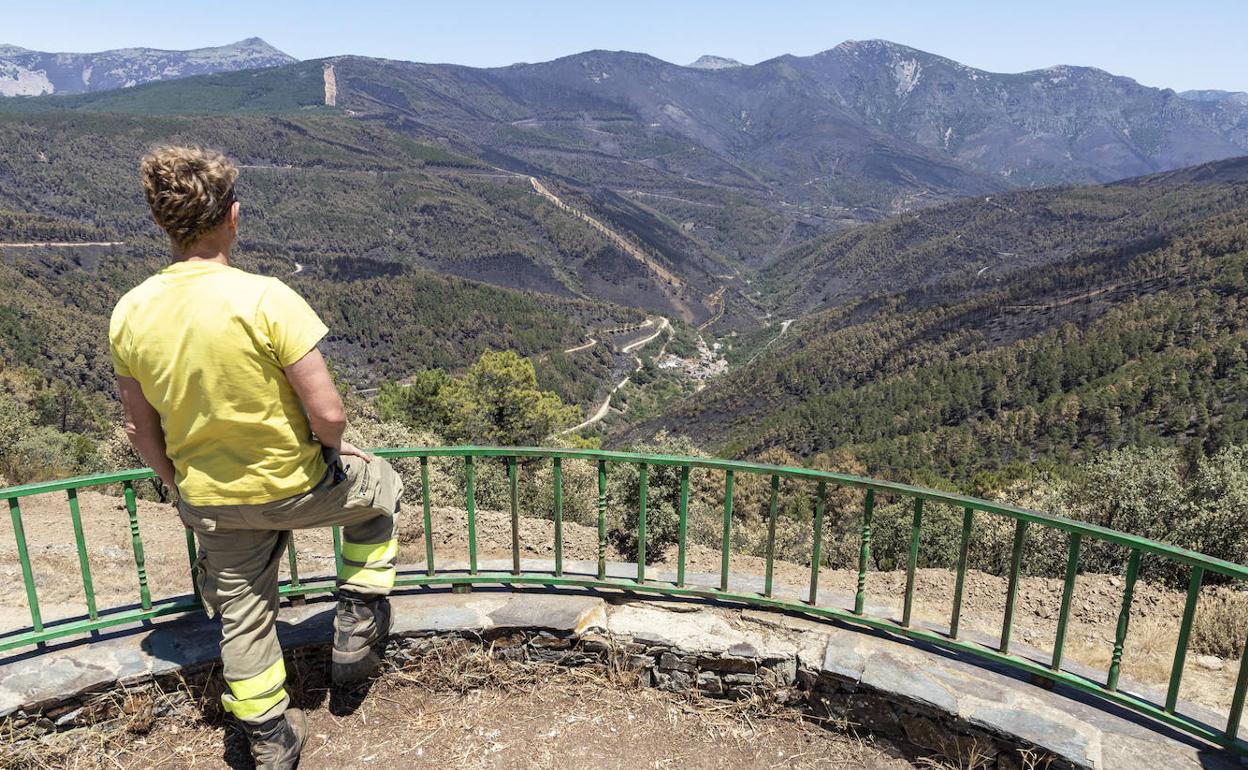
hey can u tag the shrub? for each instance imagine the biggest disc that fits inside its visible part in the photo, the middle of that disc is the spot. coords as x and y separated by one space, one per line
1221 624
662 500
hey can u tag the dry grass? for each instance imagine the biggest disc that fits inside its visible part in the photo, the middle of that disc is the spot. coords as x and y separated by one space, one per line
112 720
974 756
1221 624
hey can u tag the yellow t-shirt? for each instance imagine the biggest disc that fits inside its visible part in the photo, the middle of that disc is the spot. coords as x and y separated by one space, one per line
208 343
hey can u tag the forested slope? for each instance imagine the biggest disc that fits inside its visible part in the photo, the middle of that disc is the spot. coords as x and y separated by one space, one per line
1135 332
351 215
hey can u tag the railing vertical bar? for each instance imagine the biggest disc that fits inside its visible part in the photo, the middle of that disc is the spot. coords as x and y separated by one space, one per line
1237 701
968 521
1124 619
558 470
337 550
1185 631
643 491
140 562
84 563
513 482
470 502
602 519
192 554
771 534
864 552
427 513
293 560
912 564
1011 591
682 532
1068 592
23 556
727 542
816 551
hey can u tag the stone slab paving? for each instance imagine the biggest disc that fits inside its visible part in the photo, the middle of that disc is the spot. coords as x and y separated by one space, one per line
1077 727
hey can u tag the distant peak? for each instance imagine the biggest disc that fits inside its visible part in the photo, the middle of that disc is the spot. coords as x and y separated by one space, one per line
255 45
1074 69
873 45
710 62
253 42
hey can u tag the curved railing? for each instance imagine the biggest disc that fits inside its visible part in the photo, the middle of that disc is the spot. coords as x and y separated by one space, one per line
818 482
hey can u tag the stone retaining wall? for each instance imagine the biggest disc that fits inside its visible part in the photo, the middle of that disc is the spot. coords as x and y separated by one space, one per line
739 673
928 702
742 673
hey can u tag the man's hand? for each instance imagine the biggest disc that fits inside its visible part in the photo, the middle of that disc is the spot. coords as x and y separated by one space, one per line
350 449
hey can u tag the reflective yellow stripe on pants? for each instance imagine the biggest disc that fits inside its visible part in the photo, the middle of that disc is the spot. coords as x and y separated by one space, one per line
369 567
252 697
364 553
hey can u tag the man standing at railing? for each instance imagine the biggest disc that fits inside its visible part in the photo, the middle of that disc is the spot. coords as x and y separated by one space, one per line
228 399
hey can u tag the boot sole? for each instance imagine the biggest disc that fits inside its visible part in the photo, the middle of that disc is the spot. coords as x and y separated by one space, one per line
355 666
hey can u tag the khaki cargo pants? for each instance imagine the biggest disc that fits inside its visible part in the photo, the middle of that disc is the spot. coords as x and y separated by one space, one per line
241 546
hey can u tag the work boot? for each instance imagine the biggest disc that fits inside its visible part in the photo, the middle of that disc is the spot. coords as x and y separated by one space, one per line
275 744
360 626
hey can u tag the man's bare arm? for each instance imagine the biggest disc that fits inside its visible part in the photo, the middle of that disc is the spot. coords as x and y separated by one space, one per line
310 378
144 431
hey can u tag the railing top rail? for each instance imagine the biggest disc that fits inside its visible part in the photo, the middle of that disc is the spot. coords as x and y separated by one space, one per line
1145 545
75 482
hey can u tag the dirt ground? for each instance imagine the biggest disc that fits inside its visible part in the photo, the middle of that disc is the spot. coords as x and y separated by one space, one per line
1149 652
467 709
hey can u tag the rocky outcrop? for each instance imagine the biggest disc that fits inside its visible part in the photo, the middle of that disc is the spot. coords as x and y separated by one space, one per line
34 73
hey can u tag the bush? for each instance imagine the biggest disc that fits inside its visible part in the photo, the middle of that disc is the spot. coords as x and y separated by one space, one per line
1221 624
46 453
1148 492
662 500
496 402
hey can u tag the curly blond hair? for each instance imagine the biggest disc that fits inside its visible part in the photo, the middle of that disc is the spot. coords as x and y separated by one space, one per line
190 190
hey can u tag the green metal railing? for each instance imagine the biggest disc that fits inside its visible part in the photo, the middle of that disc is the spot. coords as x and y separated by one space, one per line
813 482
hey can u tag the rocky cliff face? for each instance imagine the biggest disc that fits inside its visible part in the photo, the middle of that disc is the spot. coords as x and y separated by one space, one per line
31 73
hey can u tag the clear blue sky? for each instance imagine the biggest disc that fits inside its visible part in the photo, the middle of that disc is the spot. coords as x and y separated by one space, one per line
1171 43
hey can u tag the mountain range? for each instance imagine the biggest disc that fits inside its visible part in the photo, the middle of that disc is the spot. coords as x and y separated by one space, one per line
34 73
941 268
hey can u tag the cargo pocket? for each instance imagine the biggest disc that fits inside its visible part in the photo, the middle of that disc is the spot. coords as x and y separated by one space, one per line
389 488
209 597
364 487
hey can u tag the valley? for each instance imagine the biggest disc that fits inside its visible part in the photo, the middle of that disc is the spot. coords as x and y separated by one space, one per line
871 258
922 381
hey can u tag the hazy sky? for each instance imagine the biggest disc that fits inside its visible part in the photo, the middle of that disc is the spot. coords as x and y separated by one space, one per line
1187 44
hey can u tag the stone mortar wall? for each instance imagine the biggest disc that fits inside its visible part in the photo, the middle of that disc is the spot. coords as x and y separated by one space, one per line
739 673
742 673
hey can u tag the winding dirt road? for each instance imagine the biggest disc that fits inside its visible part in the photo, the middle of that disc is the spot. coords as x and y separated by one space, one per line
589 344
784 327
625 245
605 407
60 244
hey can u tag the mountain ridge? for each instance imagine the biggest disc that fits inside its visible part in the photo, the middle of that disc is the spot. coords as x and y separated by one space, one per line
25 72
